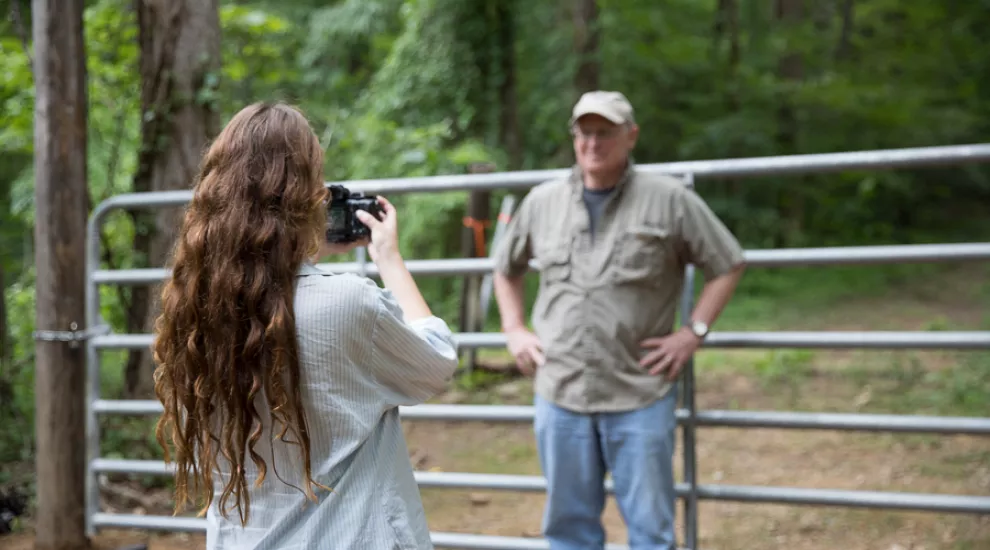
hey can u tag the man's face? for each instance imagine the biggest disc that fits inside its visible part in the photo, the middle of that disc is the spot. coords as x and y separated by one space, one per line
602 146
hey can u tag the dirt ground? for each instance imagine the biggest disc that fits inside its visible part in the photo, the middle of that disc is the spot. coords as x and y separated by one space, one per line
834 460
843 381
806 459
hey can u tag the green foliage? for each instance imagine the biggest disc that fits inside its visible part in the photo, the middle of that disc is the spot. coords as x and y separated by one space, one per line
405 88
428 75
16 147
255 46
132 438
16 96
17 416
350 35
114 100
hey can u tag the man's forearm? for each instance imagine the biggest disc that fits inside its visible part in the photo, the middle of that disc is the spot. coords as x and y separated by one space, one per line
715 295
509 296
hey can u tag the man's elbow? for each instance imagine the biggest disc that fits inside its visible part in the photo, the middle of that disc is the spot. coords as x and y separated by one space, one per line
729 276
500 279
506 284
734 275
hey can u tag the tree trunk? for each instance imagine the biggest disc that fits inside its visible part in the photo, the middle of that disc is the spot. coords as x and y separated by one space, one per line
732 20
180 63
587 37
843 50
60 195
789 69
510 134
727 25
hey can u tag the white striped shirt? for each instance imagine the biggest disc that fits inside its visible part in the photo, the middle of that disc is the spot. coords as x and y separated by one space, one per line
359 360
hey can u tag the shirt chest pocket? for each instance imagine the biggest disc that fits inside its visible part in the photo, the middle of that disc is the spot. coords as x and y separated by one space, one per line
555 262
641 254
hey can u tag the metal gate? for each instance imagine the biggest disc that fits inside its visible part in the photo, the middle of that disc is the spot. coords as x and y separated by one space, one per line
689 419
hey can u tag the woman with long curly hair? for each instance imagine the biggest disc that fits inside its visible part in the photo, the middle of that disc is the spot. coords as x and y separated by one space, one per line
281 382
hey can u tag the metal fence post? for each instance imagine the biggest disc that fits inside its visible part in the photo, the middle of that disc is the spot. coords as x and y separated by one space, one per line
486 289
687 402
92 367
487 285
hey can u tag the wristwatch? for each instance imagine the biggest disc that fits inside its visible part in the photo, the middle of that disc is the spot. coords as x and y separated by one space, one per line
699 328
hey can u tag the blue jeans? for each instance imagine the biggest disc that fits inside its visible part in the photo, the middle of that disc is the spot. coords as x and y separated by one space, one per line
637 447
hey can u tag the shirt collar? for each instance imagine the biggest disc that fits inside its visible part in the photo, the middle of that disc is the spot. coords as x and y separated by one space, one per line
576 178
307 268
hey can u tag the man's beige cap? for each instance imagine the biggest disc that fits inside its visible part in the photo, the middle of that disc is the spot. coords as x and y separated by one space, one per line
612 105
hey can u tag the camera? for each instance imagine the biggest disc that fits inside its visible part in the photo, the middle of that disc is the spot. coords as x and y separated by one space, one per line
342 225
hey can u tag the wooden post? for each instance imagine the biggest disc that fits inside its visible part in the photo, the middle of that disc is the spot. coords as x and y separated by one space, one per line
60 196
473 236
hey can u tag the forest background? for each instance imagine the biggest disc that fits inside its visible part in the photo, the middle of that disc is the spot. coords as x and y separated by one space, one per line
401 88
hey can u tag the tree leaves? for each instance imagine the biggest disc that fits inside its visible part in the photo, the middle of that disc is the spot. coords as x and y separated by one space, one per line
410 87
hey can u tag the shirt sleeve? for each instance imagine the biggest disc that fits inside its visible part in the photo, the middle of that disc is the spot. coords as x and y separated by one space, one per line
412 361
514 249
705 241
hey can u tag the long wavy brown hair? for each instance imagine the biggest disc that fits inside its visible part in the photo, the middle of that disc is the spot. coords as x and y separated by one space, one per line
226 334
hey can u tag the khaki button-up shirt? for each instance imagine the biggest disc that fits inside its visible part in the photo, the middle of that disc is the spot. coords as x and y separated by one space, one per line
601 295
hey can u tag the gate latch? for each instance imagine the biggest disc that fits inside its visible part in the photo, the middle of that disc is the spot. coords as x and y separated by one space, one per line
72 336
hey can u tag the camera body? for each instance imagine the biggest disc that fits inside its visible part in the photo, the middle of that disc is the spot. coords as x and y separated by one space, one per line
342 225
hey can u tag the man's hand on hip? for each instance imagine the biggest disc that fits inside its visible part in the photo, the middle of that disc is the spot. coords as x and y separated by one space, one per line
669 353
526 349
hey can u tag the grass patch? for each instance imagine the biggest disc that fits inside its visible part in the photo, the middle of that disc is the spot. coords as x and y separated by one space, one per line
784 367
504 458
956 467
779 298
480 380
905 385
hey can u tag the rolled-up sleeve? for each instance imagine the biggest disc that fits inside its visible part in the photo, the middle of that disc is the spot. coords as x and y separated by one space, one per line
513 252
706 241
413 361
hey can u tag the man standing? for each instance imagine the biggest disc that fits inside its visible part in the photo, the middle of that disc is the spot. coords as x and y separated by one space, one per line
612 244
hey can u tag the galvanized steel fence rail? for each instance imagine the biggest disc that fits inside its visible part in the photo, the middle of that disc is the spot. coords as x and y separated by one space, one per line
690 491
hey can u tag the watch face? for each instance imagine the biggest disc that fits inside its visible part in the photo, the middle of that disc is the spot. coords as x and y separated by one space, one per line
699 328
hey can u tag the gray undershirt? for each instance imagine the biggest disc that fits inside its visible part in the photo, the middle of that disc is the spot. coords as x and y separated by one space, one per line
594 201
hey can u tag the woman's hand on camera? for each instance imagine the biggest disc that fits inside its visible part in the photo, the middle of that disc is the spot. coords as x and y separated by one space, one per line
384 245
384 251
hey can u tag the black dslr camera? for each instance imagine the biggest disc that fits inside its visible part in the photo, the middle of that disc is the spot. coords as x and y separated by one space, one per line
342 225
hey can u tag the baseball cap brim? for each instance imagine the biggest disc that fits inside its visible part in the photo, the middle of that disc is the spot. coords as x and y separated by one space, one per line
601 110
